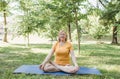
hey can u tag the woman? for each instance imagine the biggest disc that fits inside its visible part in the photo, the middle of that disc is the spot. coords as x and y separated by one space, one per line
62 50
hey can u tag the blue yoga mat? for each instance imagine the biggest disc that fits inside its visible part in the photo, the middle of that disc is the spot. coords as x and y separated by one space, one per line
34 69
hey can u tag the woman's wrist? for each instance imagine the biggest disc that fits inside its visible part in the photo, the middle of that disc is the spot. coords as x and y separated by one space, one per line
43 62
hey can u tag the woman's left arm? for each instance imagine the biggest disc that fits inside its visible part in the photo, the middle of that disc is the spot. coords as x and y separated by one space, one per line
73 58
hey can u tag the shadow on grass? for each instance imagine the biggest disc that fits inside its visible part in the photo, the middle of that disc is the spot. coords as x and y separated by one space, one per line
99 47
110 74
12 49
105 54
100 50
113 62
37 45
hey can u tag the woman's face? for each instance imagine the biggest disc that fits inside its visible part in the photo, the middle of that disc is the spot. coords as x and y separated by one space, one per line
62 36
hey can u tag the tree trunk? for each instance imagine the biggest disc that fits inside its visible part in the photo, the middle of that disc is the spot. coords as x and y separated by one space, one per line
69 31
114 37
5 28
28 40
78 34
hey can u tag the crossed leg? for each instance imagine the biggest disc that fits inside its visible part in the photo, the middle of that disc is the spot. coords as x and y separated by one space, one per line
50 68
67 68
53 67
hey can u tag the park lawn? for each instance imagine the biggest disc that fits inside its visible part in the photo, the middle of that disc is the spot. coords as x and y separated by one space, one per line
105 57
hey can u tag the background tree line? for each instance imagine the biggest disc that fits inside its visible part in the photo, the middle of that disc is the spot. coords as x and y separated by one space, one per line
47 17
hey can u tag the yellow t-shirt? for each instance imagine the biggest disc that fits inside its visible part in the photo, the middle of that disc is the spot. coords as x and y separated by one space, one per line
62 56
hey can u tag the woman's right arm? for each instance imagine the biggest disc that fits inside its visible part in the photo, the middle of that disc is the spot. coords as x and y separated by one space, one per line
48 56
47 59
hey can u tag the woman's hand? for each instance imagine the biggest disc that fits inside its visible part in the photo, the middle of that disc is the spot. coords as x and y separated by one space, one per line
42 66
77 68
73 69
46 59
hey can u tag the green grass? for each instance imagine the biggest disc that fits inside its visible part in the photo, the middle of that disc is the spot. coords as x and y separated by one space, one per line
102 56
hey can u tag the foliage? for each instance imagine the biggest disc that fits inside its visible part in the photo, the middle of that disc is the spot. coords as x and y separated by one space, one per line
111 11
3 5
32 18
59 16
47 17
96 29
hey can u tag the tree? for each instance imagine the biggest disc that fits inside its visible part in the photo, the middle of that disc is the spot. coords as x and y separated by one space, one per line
67 12
3 8
62 13
32 20
111 11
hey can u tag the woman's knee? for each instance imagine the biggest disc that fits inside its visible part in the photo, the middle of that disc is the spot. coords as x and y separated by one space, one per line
50 68
47 67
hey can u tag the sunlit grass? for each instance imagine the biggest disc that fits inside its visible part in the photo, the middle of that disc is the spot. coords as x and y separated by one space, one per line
102 56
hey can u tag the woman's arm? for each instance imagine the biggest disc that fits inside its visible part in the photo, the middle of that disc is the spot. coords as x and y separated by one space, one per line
73 58
48 56
46 59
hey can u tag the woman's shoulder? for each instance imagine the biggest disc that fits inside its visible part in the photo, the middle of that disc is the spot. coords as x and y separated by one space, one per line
68 42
